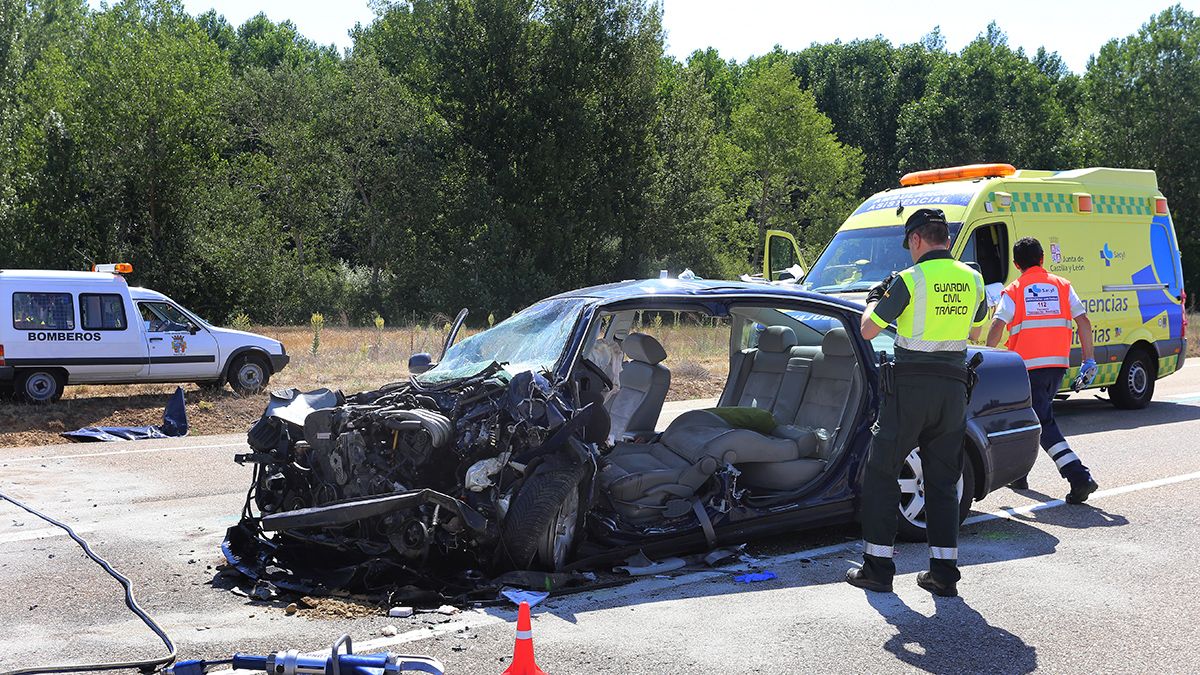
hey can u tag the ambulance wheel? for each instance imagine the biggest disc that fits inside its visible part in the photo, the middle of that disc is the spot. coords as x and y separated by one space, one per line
40 386
249 374
1135 383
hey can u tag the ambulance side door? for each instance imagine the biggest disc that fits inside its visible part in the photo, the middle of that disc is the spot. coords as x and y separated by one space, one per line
180 349
987 243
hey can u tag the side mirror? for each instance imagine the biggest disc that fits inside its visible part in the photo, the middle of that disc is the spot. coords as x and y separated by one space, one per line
193 329
420 363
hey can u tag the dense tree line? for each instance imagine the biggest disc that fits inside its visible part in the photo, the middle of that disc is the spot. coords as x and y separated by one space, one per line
485 153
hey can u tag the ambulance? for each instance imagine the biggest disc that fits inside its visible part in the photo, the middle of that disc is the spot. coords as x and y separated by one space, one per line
59 328
1107 231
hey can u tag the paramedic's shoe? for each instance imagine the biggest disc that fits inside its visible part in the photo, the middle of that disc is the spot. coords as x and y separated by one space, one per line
946 590
1080 491
1021 483
857 578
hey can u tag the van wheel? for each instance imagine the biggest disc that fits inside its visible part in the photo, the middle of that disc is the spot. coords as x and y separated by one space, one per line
249 374
912 522
40 386
1135 383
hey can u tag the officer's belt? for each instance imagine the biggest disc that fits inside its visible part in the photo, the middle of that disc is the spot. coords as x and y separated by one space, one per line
947 370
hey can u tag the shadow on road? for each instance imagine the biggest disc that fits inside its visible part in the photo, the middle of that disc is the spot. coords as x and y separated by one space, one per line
1082 416
956 639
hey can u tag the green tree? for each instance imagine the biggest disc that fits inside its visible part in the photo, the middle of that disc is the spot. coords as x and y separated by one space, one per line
987 104
1141 109
800 178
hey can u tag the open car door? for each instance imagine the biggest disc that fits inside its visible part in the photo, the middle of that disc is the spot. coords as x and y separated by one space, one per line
782 260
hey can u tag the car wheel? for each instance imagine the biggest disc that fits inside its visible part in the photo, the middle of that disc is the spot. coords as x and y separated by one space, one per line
40 386
912 496
542 525
249 374
1135 383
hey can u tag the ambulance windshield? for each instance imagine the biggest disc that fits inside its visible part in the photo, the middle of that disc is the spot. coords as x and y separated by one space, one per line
858 259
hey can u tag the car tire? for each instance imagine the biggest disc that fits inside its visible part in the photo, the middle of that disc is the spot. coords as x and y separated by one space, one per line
1134 387
249 374
40 386
541 527
912 509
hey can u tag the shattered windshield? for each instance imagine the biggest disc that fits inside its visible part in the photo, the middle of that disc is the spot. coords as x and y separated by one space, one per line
858 259
532 339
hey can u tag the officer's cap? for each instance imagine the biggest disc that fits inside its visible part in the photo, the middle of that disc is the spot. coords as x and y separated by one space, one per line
922 217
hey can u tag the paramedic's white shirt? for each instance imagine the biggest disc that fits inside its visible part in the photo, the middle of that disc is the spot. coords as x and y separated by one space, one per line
1008 308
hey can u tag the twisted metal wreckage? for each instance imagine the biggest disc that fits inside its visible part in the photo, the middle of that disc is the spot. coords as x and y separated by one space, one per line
437 486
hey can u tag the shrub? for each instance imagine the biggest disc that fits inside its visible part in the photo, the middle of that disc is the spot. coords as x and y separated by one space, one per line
238 321
318 323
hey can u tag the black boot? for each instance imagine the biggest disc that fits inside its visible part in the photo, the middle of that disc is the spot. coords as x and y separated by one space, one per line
1021 483
858 578
1081 490
946 590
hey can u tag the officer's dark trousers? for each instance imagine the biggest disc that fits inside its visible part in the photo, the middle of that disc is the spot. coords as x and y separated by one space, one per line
927 411
1043 385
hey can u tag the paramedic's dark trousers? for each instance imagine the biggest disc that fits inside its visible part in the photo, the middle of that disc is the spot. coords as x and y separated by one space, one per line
1043 385
927 411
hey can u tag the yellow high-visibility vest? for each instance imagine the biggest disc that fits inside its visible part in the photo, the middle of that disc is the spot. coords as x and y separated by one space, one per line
944 295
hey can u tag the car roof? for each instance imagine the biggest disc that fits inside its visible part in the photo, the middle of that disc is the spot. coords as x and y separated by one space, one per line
637 289
57 275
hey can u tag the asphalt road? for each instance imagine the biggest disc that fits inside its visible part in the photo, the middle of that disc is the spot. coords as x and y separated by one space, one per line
1106 587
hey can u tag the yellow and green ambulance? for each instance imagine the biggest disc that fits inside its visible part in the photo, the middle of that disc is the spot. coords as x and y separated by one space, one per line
1107 231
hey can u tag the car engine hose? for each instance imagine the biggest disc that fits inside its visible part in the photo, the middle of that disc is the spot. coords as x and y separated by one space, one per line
149 665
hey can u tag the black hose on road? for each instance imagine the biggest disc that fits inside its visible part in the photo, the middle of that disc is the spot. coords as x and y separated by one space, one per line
145 666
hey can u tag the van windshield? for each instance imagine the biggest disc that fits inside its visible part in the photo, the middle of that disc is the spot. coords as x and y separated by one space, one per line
858 259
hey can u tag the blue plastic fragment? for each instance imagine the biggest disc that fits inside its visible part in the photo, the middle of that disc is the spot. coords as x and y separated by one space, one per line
754 576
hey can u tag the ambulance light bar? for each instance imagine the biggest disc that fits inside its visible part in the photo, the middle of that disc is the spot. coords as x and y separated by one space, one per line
1083 202
1160 206
114 268
957 173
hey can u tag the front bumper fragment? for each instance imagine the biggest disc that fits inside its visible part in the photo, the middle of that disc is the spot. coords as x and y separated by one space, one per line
349 512
279 361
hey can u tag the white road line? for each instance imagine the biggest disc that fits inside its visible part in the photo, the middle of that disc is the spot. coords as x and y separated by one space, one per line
1190 394
480 618
120 452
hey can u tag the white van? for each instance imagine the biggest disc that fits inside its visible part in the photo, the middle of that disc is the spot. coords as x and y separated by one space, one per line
59 328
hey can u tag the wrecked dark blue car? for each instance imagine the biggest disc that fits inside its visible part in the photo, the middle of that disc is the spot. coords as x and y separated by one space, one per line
542 443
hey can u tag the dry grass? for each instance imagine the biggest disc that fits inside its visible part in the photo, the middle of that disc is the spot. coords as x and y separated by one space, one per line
350 359
1193 334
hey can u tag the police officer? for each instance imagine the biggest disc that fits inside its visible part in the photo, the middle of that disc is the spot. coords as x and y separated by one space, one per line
936 304
1038 309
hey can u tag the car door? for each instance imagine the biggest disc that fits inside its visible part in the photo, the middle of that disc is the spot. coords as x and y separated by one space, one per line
180 349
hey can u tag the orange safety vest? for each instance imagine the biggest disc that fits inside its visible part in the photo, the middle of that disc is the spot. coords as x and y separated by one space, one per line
1041 327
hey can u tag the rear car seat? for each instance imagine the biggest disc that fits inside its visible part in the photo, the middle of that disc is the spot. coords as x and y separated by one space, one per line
644 382
640 478
833 385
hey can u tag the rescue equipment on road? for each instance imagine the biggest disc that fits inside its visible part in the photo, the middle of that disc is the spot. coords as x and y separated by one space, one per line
523 663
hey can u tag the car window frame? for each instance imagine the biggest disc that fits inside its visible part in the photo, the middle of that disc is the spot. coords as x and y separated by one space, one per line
70 298
124 313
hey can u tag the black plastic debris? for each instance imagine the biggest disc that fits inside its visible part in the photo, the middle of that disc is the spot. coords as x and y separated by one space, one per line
174 424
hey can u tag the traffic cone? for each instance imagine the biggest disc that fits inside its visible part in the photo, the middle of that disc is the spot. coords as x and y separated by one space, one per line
523 649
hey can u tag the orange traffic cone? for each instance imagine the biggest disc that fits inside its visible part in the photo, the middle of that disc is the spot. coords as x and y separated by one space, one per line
523 649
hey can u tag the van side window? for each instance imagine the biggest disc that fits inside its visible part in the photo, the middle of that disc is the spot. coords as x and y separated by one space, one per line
988 247
43 311
161 317
102 311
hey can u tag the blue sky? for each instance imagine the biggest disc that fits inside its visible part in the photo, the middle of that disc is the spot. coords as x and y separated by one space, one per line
739 28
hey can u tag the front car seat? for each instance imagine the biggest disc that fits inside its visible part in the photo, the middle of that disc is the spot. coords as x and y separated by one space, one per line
644 382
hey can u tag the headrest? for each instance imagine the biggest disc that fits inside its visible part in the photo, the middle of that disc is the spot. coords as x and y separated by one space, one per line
642 347
837 343
777 339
